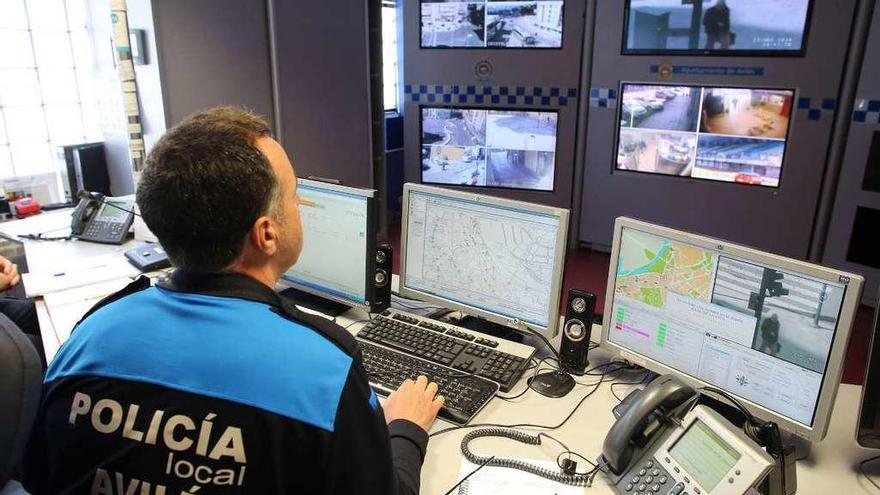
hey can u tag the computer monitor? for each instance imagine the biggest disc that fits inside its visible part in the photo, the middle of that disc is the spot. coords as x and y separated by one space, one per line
724 134
770 330
339 225
868 430
492 148
491 24
716 27
493 258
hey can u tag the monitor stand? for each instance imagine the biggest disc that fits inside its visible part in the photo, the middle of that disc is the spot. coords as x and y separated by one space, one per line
490 328
313 302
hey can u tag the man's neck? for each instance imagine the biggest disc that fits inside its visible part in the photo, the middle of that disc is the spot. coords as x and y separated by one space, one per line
263 274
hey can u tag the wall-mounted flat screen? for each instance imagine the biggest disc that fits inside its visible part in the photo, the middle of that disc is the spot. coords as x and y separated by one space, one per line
500 148
491 24
720 134
716 27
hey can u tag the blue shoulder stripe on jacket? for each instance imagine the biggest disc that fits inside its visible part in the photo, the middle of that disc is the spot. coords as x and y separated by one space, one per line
220 347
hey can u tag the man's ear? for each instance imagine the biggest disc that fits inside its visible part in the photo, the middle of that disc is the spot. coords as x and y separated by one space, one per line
264 236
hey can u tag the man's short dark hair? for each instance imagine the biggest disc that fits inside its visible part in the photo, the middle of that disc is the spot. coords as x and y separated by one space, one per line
204 185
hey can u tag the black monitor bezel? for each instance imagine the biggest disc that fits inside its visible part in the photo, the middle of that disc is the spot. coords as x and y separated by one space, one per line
372 242
624 50
869 405
755 187
493 48
484 107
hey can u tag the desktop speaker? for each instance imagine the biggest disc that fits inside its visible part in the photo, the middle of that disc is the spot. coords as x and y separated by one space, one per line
576 331
382 279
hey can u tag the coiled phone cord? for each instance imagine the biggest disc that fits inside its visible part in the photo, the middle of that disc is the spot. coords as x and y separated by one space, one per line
576 479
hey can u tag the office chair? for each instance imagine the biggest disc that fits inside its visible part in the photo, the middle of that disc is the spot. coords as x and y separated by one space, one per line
21 379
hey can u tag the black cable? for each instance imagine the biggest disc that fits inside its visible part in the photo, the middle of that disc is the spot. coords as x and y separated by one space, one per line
735 402
99 197
569 454
528 383
863 473
642 380
481 466
530 425
414 307
40 237
544 339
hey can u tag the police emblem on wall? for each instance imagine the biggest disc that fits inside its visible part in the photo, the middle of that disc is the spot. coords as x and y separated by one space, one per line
483 70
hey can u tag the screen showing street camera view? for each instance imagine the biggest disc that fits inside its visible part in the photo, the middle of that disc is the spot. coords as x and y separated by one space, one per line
659 26
489 148
760 332
721 134
491 24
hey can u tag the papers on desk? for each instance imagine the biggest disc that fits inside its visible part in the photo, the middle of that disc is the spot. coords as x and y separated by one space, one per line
492 480
85 272
67 307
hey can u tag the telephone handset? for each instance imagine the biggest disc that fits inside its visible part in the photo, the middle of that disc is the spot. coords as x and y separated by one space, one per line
659 399
102 219
667 443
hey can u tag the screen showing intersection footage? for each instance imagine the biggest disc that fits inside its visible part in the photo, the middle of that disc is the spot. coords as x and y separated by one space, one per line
760 332
766 27
481 147
720 134
491 24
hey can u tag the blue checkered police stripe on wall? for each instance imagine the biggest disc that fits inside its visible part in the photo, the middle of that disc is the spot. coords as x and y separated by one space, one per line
458 94
867 112
603 97
815 108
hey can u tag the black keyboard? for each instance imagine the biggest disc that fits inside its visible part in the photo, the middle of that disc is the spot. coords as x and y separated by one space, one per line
465 394
446 346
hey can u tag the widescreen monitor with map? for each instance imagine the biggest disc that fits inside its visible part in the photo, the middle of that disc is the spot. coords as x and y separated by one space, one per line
489 257
723 134
486 147
491 24
770 330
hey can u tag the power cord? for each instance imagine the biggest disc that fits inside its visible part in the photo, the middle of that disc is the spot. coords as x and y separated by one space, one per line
531 425
617 384
863 473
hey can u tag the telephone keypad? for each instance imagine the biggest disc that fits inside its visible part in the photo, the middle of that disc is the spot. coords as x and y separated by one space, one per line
648 478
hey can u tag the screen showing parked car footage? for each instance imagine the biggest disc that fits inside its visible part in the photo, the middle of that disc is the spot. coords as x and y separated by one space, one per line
721 134
491 24
489 148
716 26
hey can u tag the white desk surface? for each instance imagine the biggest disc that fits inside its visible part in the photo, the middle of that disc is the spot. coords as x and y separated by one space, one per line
830 469
57 256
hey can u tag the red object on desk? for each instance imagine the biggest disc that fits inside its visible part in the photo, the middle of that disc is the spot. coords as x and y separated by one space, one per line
25 207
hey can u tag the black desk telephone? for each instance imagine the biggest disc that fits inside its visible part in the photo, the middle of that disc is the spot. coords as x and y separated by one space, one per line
102 219
666 443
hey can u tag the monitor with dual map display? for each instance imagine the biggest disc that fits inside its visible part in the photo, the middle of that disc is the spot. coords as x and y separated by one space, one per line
770 330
